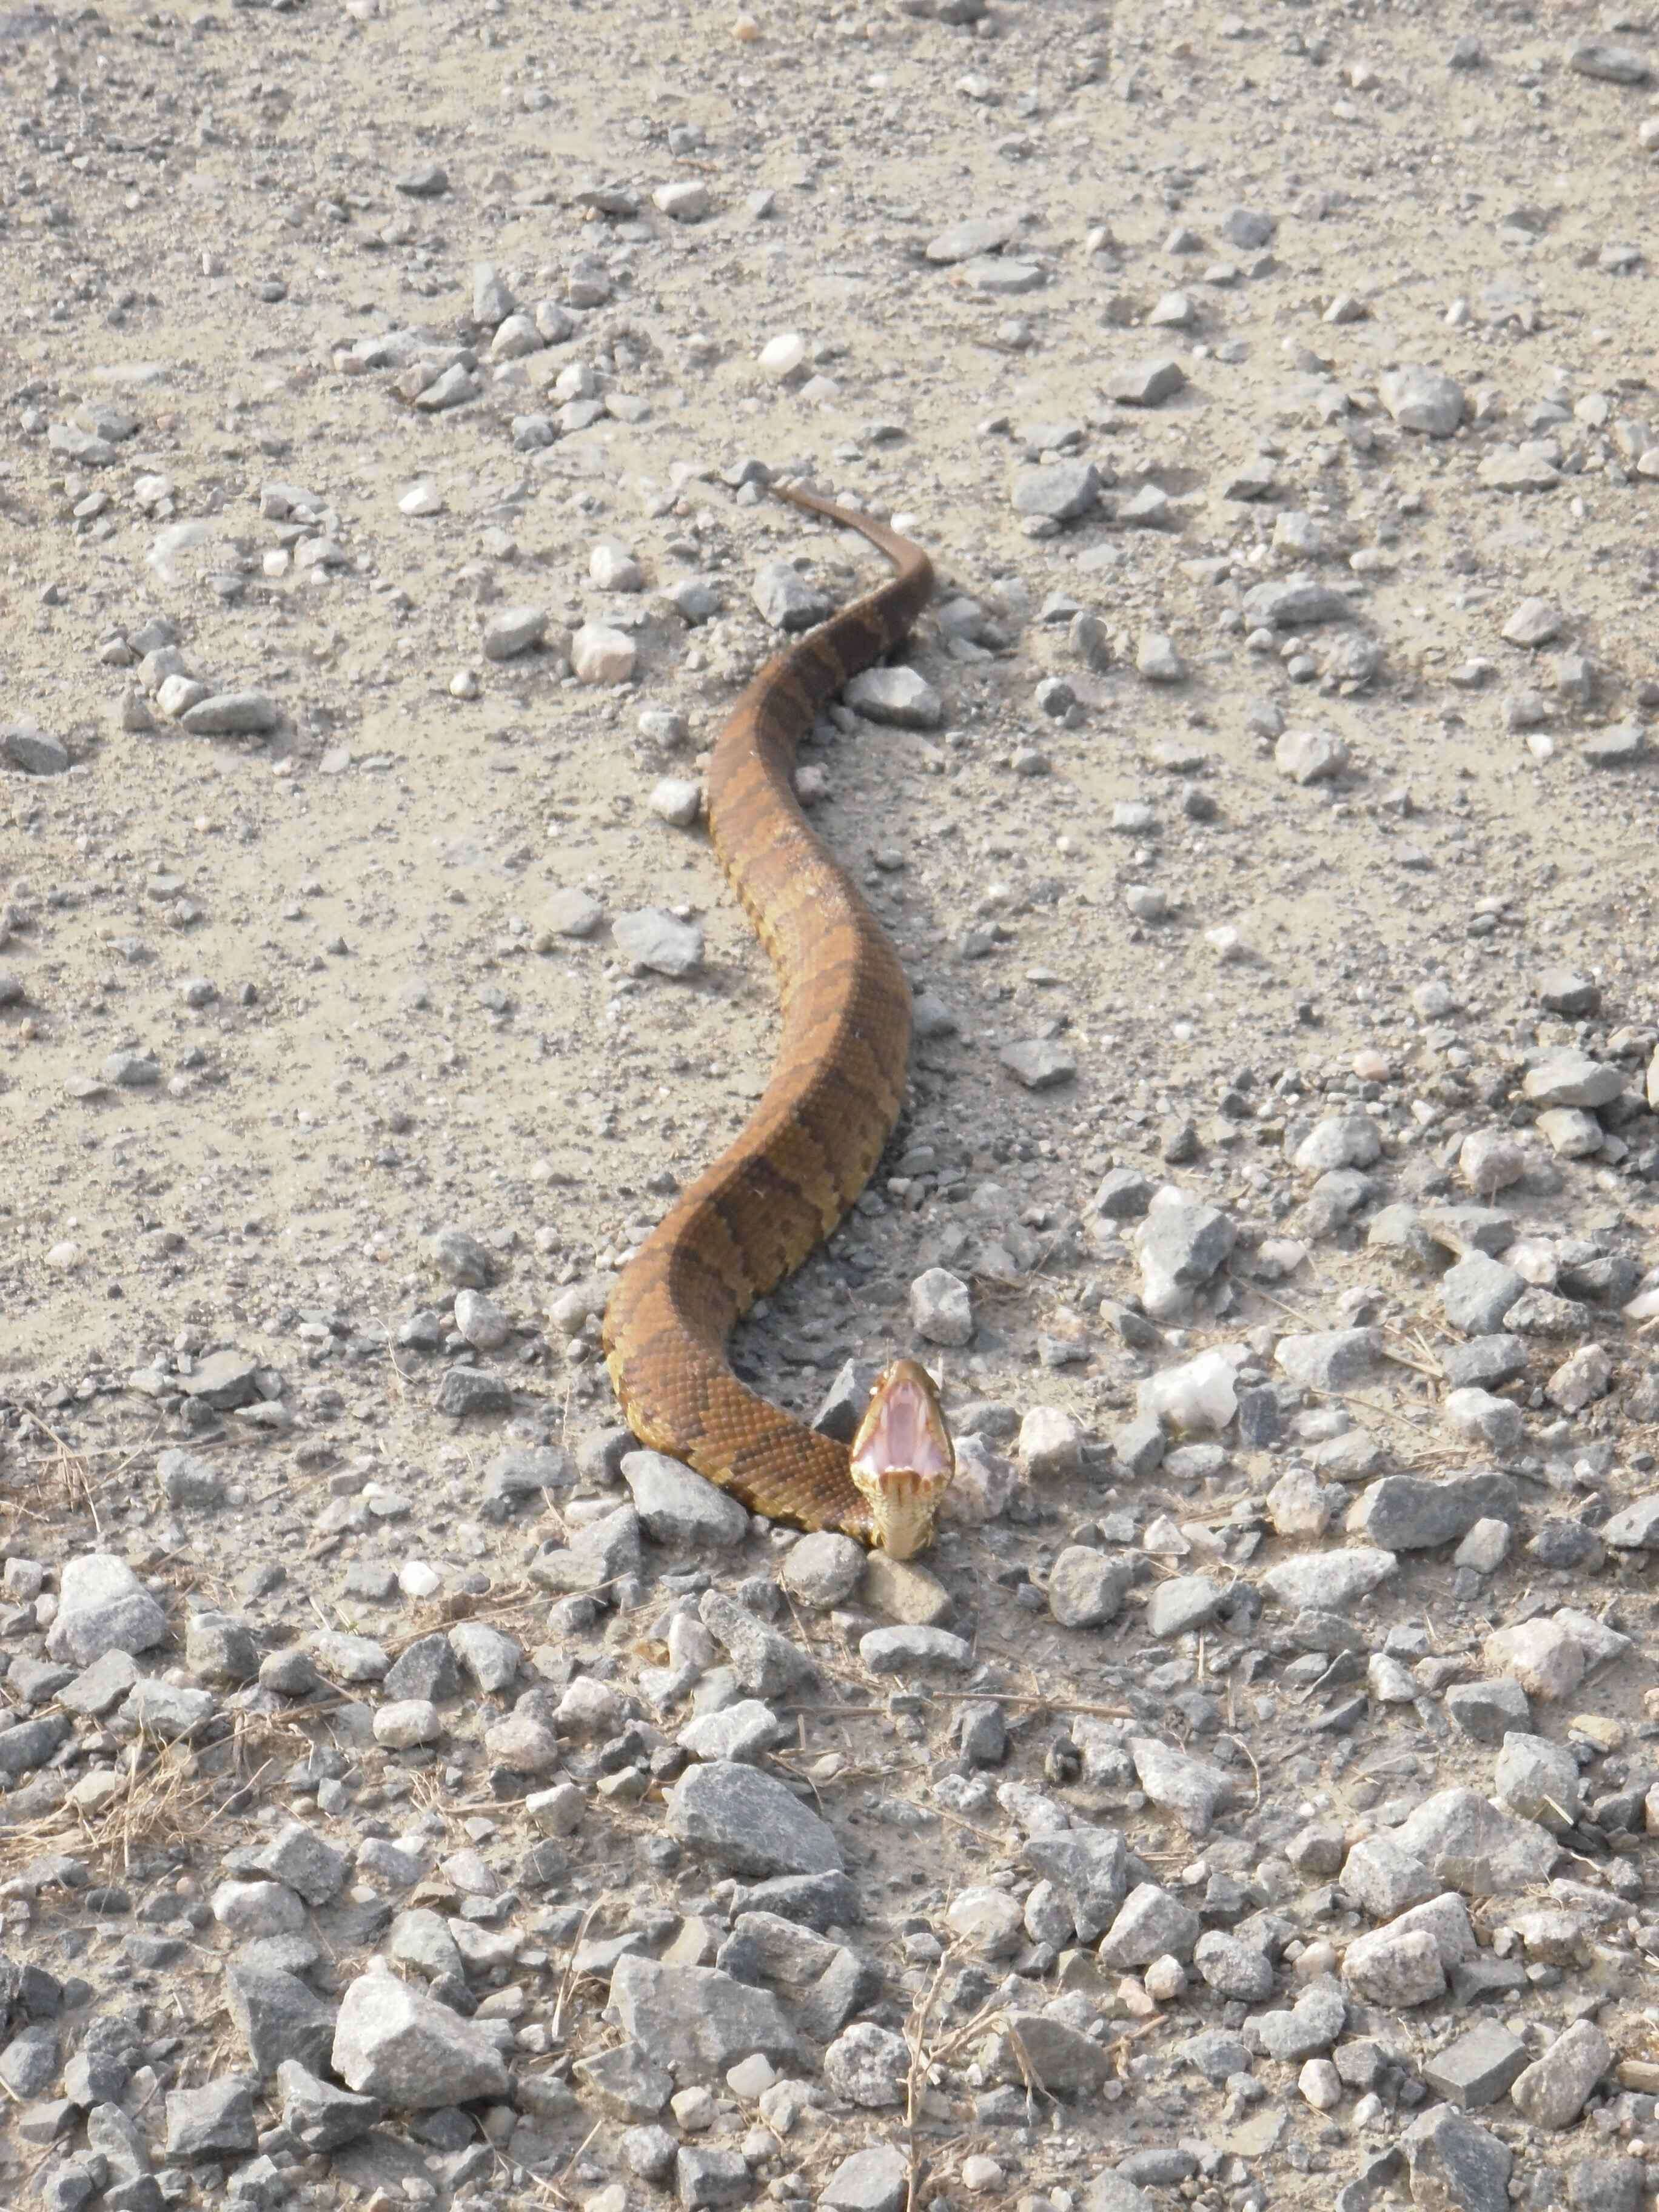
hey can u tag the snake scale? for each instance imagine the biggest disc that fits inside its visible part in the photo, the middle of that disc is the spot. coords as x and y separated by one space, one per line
810 1146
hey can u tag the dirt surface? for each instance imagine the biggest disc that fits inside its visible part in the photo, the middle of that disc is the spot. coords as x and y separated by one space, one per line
380 381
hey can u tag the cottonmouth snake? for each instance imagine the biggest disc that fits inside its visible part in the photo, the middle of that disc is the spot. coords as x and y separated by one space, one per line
812 1142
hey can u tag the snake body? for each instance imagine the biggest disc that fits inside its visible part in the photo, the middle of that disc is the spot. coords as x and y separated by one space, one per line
829 1109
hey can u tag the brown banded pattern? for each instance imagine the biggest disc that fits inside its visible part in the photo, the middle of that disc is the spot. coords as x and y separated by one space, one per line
833 1096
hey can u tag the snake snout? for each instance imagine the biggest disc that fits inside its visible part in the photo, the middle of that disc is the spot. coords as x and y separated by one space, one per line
902 1458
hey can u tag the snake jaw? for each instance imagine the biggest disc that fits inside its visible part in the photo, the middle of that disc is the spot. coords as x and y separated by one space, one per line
902 1459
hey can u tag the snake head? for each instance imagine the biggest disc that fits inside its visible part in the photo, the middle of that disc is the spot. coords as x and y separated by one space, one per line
902 1459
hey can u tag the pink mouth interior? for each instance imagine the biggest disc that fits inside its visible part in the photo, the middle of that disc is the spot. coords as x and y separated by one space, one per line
902 1432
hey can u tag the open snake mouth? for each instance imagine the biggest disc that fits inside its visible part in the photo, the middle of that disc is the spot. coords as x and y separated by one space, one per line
902 1458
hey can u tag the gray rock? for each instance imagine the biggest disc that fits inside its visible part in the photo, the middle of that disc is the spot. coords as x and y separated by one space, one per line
1423 400
649 2152
317 2115
767 1665
749 1823
215 2117
460 1259
1455 2165
30 1744
1477 1292
1217 2055
28 2064
873 2181
746 1730
297 1856
424 1669
1298 603
1383 1879
1193 1790
1086 1588
1061 491
897 695
967 239
707 2175
1396 1967
1150 1923
488 1659
190 1483
1183 1603
1328 1582
219 1648
1634 1527
914 1651
676 1505
1611 62
1552 2092
649 938
1478 2067
393 2042
102 1607
786 599
278 2017
1037 1062
1414 1513
1063 2058
697 2022
1330 1358
1233 1968
1311 2026
1471 1845
1484 1363
1605 2185
231 714
1181 1247
1148 383
1572 1078
869 2066
1485 1711
941 1308
1090 1869
1539 1780
624 2082
823 1569
32 752
516 1474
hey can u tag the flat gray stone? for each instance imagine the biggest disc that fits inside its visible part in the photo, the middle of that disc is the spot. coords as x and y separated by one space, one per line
319 2115
1090 1869
749 1823
231 714
1477 1292
873 2181
649 938
1423 400
278 2017
1328 1582
1478 2067
966 241
1469 1844
698 2021
31 751
676 1505
393 2042
213 2117
102 1607
1611 62
1553 2090
1415 1513
1455 2165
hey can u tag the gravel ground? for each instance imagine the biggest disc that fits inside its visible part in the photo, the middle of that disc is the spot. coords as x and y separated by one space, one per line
414 1795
